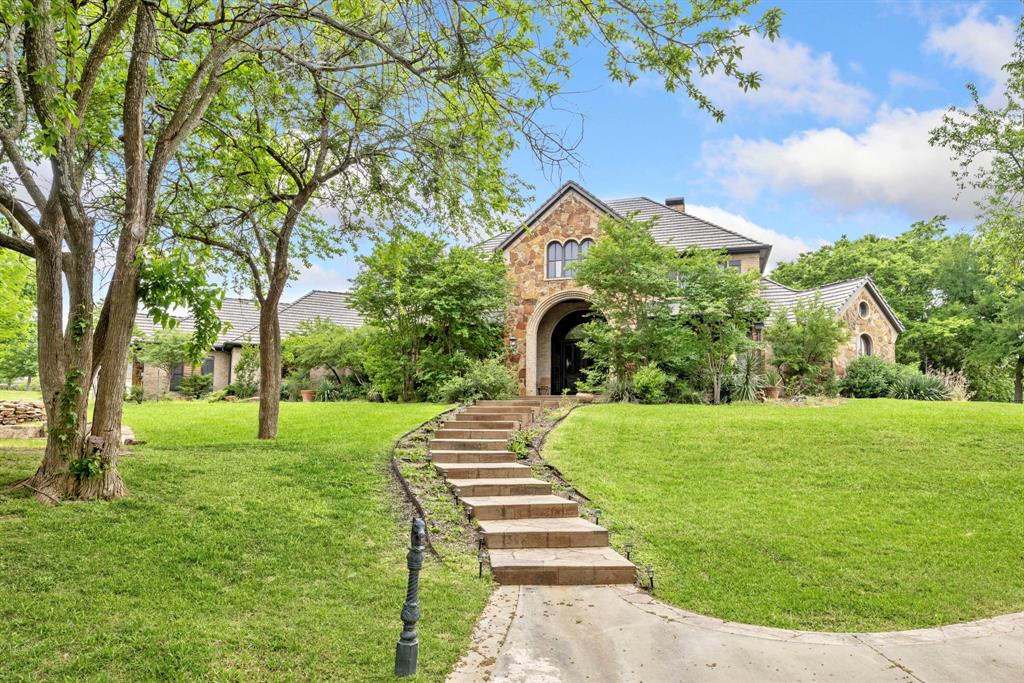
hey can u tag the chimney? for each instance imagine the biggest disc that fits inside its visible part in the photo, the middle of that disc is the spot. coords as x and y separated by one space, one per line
676 203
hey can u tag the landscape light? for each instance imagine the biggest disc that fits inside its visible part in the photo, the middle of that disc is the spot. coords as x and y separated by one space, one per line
650 576
481 557
629 549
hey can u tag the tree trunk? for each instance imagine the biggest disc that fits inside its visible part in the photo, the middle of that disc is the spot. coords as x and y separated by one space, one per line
270 366
1018 381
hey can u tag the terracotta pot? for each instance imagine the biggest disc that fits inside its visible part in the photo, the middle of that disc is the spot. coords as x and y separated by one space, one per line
307 395
772 393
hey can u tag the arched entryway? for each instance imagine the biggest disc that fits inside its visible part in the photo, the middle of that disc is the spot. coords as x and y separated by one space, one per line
567 360
553 360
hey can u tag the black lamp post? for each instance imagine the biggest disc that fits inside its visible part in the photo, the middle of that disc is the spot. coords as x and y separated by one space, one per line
629 549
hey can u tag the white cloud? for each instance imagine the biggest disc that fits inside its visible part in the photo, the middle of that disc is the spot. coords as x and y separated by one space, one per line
975 43
332 275
793 80
889 164
784 247
904 80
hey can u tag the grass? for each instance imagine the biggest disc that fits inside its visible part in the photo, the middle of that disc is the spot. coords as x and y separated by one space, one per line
20 395
232 559
870 515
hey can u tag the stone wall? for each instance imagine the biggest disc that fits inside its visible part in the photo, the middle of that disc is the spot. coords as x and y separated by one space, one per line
16 412
876 325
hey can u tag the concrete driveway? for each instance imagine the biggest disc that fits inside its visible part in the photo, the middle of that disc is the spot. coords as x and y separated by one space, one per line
551 634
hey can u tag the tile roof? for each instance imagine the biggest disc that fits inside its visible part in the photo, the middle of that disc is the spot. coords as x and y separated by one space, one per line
682 230
492 243
835 295
333 306
242 316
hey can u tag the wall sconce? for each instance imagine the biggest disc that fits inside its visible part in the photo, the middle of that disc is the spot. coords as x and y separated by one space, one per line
512 343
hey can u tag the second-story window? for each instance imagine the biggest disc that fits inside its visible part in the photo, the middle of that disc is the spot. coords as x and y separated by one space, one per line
572 255
555 260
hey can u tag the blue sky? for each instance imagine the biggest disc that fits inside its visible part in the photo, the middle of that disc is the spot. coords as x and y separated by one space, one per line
835 142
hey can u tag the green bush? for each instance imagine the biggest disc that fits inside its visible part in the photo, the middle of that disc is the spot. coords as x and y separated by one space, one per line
241 390
746 380
617 389
196 386
489 379
651 384
919 388
870 377
330 390
291 388
135 394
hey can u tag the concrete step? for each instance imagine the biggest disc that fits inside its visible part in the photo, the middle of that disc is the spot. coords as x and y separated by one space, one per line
472 456
469 444
520 507
509 425
448 432
491 416
561 566
482 470
506 410
505 486
555 532
532 402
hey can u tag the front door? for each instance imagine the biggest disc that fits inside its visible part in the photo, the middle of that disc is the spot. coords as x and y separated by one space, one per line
567 361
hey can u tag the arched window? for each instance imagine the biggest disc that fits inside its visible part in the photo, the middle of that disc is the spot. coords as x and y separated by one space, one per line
555 260
864 309
863 345
572 255
585 246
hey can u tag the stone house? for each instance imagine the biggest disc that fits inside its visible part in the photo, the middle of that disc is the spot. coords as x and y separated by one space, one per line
241 318
548 304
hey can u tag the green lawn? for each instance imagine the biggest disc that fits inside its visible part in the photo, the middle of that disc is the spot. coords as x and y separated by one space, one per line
20 395
871 515
232 559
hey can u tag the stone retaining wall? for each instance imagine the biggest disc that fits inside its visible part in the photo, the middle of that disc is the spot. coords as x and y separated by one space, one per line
16 412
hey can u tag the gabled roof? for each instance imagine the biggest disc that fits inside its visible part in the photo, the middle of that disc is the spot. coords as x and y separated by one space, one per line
326 305
836 295
671 228
567 187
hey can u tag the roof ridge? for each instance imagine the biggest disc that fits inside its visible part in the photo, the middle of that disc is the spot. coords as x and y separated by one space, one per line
776 282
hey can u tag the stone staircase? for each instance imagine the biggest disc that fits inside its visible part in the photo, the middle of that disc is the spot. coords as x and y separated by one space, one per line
532 536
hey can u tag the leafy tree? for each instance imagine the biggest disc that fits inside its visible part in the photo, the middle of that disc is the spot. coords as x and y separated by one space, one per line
803 347
321 343
987 143
432 309
18 356
719 307
633 289
165 349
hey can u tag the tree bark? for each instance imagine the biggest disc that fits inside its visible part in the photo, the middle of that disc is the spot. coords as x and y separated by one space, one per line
270 366
1018 381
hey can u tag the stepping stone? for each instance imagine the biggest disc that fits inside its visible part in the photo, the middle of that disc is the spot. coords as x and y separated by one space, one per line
506 486
482 470
469 444
520 507
472 456
561 566
556 532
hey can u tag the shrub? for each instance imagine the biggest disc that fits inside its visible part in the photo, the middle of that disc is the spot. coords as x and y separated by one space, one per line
135 394
240 390
869 377
329 390
488 379
920 388
746 381
291 387
522 442
957 384
196 386
619 389
650 384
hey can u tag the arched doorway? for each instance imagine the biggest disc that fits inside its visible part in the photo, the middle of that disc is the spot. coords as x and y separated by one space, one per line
567 360
543 350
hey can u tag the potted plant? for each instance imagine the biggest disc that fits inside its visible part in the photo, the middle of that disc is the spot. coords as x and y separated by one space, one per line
772 384
307 392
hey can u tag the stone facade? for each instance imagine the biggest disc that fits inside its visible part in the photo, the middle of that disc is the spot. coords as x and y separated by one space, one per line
875 324
533 293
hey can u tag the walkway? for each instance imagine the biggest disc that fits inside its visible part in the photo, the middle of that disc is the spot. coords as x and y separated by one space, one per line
552 634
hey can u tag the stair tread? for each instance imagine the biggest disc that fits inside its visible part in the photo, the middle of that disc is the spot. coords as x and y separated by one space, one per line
437 451
538 499
557 557
509 481
539 525
449 466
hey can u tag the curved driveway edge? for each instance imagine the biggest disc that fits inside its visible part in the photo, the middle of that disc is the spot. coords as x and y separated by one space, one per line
620 633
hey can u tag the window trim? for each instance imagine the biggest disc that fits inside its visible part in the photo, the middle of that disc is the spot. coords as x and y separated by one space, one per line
554 262
865 349
864 309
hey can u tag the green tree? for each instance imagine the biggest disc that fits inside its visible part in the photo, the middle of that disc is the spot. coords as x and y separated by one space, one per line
803 346
321 343
987 142
719 306
432 309
633 284
165 349
18 357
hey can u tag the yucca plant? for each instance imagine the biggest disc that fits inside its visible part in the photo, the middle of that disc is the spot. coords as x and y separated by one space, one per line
919 388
